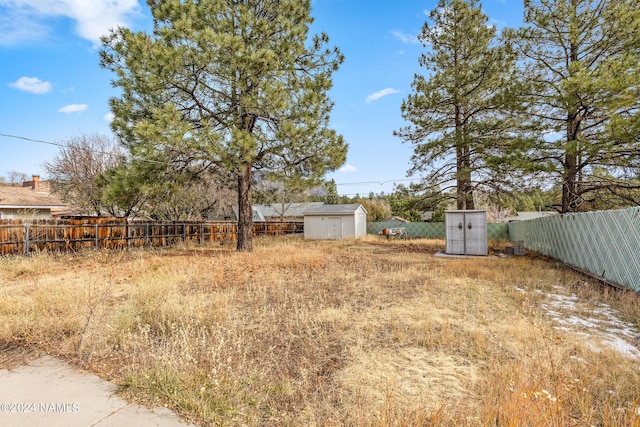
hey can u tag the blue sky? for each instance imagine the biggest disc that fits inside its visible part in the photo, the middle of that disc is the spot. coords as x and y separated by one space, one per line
52 88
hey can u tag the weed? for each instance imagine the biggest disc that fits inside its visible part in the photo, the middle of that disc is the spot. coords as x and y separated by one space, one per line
364 333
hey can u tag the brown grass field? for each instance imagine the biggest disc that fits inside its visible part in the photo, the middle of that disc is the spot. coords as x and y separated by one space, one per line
324 333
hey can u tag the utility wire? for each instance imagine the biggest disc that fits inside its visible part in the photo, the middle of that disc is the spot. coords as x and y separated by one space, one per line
377 182
58 144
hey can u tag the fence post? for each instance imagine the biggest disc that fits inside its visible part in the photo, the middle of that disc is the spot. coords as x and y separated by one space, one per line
26 239
96 236
146 233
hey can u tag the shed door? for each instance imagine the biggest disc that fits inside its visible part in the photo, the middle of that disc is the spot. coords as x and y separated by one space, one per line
335 228
476 233
455 233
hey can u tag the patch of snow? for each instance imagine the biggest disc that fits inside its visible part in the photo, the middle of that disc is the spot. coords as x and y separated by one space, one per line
598 327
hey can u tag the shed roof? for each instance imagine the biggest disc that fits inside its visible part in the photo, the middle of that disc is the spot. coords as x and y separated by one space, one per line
26 198
335 209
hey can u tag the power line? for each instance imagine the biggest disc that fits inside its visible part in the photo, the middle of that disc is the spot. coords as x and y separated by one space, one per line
57 144
376 182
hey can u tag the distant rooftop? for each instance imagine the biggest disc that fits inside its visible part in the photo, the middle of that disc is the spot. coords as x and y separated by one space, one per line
286 209
524 216
27 198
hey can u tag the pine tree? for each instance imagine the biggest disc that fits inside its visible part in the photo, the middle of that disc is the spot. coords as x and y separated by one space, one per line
582 58
230 82
464 124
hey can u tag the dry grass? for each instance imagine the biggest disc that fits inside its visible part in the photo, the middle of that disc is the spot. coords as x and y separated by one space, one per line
357 333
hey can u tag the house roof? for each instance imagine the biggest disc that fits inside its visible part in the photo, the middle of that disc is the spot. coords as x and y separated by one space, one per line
26 198
290 209
262 213
523 216
255 214
396 219
335 209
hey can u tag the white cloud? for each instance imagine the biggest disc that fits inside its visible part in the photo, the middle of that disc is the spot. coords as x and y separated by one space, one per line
347 168
496 23
31 84
404 38
109 117
73 108
380 94
18 27
92 18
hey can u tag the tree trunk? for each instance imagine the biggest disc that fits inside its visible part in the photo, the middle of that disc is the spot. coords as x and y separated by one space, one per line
245 212
570 197
464 189
466 176
460 197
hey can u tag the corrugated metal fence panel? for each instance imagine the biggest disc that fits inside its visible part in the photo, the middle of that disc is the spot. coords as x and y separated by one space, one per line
605 243
434 230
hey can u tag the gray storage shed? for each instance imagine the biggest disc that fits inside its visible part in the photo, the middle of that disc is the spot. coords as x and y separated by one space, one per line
466 232
335 222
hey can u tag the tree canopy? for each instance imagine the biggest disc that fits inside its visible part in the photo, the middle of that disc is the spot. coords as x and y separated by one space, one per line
237 85
581 57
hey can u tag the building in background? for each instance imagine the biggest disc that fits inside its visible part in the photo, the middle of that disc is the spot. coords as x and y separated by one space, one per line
32 201
335 222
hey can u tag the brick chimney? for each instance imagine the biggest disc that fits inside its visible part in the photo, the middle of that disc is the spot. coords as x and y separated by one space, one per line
36 185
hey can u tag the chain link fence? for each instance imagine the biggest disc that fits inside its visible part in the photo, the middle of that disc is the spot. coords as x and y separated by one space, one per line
604 243
434 230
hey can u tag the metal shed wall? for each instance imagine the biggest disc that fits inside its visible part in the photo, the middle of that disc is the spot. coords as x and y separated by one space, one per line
360 223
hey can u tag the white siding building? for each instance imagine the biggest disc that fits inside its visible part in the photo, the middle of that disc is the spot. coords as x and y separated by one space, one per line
335 222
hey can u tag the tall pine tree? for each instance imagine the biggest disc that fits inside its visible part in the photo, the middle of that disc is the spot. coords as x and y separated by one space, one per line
464 124
234 83
582 58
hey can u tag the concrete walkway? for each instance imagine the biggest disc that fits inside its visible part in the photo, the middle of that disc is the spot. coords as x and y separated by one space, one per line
48 392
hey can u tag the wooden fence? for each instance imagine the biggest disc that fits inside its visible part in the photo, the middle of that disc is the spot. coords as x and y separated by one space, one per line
23 237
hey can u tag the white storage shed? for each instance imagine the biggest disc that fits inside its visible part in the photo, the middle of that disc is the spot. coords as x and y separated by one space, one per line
466 232
335 222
